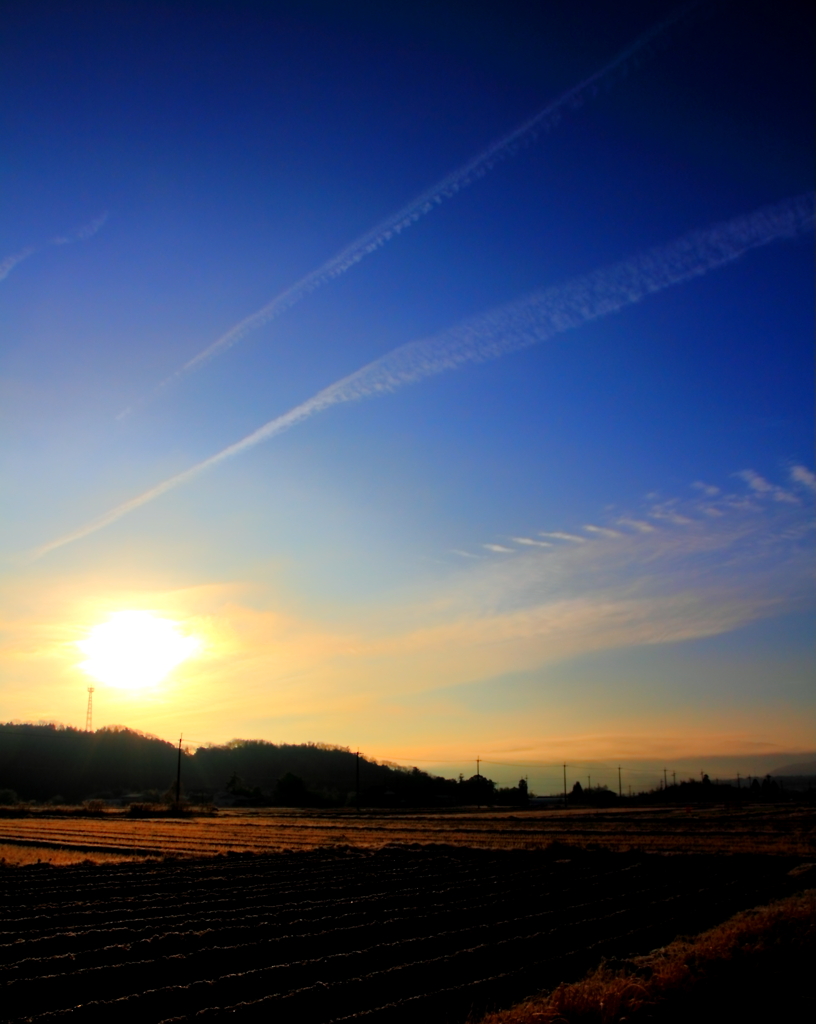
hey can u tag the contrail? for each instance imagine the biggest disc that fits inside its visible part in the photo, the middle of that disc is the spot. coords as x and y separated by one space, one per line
526 322
10 262
80 235
432 197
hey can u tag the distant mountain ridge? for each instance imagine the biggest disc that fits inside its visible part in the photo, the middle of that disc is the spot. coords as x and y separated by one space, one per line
801 768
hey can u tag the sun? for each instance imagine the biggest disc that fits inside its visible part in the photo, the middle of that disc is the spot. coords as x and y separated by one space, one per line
135 650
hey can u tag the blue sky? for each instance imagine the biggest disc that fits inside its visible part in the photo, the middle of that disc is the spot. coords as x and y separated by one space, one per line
359 578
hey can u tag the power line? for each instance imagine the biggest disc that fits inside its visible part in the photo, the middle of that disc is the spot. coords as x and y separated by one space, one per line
529 764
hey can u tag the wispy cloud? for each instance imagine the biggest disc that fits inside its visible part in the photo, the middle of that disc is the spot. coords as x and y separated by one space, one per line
667 511
708 489
636 524
697 552
508 145
10 262
760 485
601 531
531 543
518 325
499 549
90 229
536 606
557 535
802 475
80 235
541 606
687 540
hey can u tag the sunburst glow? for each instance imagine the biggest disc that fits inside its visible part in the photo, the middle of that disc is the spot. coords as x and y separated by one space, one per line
134 650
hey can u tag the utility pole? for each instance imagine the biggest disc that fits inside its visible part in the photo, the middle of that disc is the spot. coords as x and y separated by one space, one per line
565 786
478 762
665 780
357 780
674 778
589 782
620 788
738 781
89 712
178 776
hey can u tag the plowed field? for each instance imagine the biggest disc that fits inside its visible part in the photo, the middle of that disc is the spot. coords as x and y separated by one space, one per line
385 936
712 830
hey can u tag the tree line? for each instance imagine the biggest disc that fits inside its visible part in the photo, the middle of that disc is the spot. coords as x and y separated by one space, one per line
47 762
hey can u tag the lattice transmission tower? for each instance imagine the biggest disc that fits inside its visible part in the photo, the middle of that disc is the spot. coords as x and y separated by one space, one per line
89 712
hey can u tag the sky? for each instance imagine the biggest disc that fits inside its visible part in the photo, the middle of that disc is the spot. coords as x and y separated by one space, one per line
439 374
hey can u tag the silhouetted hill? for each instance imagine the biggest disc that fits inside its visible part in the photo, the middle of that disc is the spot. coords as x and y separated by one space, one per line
41 762
254 768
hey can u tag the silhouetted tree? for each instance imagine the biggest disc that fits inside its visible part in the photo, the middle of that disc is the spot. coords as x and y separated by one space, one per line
37 761
769 789
291 791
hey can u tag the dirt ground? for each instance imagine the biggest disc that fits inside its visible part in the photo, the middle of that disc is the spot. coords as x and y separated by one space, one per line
440 932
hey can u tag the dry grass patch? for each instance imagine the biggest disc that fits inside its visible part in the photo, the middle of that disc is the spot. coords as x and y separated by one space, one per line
760 958
781 831
22 856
